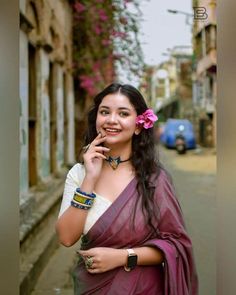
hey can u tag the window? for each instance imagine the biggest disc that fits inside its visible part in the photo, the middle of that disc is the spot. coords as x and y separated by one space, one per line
32 111
53 122
65 100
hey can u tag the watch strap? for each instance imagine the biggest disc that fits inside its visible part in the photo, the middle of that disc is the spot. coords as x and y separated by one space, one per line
130 253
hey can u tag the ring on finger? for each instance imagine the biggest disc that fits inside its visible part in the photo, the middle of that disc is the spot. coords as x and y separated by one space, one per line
89 262
85 148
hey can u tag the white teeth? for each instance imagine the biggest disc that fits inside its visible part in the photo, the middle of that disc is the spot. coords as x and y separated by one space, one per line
112 130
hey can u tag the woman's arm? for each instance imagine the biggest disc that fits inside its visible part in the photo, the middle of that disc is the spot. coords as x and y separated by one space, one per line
70 224
105 259
149 255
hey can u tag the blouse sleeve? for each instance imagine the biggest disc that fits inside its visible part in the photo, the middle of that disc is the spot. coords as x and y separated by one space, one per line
74 179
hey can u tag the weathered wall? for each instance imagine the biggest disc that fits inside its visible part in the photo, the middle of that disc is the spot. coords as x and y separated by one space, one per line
48 27
46 128
60 120
43 111
23 112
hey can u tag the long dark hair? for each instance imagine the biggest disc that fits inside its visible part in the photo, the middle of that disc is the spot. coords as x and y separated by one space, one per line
144 155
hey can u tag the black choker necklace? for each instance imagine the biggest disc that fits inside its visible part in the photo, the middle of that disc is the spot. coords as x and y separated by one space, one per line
114 162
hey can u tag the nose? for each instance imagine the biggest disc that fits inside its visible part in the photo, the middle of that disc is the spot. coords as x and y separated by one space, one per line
112 118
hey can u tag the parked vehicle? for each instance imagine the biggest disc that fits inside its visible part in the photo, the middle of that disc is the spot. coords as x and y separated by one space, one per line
180 143
178 134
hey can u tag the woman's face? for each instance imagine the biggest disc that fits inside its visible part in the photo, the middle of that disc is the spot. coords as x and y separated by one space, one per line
116 118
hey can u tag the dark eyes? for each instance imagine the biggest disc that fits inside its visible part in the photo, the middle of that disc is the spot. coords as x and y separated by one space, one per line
103 112
124 114
121 113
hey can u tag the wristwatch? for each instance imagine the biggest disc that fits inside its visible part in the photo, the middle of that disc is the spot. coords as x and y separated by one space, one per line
131 260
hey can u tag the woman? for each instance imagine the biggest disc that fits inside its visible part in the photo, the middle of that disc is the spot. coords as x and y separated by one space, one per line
121 202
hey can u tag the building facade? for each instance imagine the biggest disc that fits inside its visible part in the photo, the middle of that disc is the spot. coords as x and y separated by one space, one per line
204 76
169 84
47 145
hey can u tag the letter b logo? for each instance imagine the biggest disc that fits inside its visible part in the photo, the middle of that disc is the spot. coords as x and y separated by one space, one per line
200 13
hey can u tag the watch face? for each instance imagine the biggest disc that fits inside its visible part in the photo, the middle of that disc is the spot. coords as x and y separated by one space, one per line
132 261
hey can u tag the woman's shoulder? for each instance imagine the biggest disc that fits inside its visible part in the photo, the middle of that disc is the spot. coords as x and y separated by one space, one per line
77 172
161 176
76 167
164 188
163 183
164 175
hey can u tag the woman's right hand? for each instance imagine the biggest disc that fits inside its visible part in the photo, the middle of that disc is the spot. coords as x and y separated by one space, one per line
94 156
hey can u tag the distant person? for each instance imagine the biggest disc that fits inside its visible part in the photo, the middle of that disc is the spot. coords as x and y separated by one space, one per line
122 205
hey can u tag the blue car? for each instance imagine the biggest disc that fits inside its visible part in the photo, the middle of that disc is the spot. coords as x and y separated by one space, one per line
175 128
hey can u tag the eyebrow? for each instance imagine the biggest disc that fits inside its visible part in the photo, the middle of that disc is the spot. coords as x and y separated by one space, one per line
120 108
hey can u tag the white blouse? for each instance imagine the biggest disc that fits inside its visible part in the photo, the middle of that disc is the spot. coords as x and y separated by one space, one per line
74 179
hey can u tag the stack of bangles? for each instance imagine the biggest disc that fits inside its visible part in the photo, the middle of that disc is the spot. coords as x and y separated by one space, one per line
82 200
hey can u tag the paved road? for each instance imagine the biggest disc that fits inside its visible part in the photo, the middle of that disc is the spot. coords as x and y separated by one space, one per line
195 182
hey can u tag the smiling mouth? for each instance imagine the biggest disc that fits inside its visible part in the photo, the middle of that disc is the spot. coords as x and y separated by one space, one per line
112 130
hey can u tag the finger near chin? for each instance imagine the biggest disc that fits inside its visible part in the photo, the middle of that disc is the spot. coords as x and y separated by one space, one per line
99 140
99 155
101 149
99 134
102 132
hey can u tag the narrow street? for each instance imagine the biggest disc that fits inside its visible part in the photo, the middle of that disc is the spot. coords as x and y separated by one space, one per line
194 178
56 278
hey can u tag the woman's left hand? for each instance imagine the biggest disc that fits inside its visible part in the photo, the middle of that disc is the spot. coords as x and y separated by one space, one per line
102 259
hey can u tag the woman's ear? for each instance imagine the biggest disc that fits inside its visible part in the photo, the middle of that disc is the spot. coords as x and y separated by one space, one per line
138 130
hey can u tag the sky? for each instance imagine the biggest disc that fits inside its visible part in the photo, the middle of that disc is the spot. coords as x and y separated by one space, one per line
161 30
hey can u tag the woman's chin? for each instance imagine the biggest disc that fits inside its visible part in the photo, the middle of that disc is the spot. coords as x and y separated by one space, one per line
115 143
109 143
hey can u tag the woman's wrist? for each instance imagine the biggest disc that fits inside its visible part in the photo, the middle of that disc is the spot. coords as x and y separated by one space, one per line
145 256
88 184
121 257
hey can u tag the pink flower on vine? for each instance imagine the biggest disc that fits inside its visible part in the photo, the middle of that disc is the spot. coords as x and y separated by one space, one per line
126 2
121 35
96 66
79 7
105 42
102 15
98 29
147 119
86 82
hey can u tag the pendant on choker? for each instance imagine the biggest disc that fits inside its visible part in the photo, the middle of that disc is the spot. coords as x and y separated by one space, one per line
114 162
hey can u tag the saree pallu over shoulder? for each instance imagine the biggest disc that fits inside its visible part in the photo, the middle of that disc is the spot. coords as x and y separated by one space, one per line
115 228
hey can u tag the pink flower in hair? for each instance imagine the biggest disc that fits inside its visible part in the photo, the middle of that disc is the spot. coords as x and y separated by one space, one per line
147 119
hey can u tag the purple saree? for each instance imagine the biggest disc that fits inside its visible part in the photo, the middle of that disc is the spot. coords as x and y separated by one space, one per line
114 229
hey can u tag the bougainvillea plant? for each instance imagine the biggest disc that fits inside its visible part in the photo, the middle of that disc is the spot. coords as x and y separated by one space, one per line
105 38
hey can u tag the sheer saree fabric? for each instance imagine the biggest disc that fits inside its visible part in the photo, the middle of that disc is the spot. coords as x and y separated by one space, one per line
115 228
